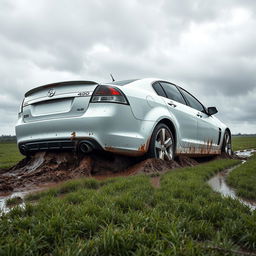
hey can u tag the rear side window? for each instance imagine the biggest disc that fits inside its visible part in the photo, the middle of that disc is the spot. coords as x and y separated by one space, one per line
172 92
193 102
159 90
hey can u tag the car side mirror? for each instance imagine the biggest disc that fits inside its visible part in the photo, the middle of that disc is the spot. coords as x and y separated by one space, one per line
211 111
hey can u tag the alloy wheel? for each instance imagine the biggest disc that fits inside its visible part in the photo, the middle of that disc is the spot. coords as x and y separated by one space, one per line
227 141
164 145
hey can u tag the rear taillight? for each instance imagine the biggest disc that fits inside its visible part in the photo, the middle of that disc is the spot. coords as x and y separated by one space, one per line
21 106
104 93
21 109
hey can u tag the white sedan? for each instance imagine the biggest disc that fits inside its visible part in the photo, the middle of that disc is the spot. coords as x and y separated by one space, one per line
132 117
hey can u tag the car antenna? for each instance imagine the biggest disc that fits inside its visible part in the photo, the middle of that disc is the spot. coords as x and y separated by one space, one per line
113 80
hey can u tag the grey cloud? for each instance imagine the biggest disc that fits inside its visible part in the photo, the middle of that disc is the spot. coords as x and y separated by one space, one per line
193 43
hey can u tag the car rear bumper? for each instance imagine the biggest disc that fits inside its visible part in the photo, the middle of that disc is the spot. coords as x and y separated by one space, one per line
112 126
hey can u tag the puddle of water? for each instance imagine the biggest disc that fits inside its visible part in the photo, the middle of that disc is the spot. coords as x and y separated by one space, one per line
3 199
245 153
218 182
21 194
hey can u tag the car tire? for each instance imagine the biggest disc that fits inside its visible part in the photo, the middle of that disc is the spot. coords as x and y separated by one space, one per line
162 143
226 144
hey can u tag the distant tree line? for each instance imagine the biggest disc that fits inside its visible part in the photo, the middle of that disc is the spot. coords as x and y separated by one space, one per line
241 134
8 138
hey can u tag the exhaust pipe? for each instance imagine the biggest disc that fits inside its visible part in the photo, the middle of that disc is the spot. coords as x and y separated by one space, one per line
85 147
23 149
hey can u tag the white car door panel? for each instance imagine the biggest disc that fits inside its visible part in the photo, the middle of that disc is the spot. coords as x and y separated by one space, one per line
186 116
208 131
187 121
207 128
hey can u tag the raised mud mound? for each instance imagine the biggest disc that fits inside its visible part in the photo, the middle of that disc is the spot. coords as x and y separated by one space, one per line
50 167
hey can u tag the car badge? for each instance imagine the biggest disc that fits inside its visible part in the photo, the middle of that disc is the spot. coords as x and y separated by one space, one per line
51 92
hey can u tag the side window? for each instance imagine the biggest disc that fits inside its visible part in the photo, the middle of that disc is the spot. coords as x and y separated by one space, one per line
172 92
159 90
193 102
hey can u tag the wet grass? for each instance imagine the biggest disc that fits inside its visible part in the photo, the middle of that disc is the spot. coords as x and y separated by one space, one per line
243 142
9 154
67 187
127 216
243 179
13 201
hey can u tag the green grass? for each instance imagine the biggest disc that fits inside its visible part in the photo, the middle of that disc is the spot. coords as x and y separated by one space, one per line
243 179
13 201
9 154
127 216
243 142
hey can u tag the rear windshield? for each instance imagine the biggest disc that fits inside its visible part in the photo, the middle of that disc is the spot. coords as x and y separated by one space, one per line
124 82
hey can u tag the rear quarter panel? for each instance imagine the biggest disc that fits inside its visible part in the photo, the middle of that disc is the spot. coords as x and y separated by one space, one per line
146 105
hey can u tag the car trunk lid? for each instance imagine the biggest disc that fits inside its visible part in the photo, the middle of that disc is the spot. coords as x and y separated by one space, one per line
58 100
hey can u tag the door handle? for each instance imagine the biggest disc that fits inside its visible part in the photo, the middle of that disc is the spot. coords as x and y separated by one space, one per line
172 104
199 115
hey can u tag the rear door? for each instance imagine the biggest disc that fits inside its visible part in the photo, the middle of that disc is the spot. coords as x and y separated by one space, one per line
186 119
60 100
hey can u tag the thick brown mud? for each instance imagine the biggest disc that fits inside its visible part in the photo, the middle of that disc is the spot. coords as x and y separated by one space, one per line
45 168
54 167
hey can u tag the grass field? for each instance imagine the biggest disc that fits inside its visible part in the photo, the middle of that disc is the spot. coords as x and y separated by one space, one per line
243 142
127 216
9 154
243 179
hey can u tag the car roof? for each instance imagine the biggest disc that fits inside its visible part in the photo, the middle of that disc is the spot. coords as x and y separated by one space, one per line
129 81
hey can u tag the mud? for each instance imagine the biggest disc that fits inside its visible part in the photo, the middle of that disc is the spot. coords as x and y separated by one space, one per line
54 167
44 168
155 181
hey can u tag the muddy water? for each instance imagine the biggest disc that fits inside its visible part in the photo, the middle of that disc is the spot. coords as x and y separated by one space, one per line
218 182
19 194
4 198
245 153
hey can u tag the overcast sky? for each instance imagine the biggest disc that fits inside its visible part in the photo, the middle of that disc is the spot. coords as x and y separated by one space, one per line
205 46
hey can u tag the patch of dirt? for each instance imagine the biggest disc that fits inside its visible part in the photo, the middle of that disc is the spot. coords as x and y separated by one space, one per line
155 181
44 167
54 167
184 161
153 165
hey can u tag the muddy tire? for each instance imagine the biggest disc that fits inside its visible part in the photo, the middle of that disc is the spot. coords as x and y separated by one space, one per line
162 143
226 144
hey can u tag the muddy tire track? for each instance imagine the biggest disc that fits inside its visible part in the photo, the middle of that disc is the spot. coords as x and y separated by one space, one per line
55 167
